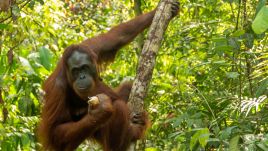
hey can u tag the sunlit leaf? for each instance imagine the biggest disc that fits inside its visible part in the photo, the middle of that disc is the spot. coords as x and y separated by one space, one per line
234 143
45 57
194 140
260 23
26 65
151 149
238 33
219 62
223 48
203 137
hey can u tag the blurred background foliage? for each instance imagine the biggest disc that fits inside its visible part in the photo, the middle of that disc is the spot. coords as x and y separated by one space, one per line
209 88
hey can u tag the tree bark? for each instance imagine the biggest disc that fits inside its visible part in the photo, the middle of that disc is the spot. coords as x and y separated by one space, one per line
4 5
148 56
140 38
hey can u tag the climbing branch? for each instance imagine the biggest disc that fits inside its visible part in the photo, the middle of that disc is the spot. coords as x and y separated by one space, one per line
148 56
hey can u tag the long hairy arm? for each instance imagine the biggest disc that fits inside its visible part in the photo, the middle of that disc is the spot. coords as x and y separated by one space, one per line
106 45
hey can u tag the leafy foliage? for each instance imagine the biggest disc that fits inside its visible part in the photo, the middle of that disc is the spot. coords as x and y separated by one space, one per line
209 88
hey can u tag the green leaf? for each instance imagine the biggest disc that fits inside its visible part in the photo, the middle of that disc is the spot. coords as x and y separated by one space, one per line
194 140
26 142
151 149
262 146
260 5
220 62
238 33
224 48
262 88
234 143
225 134
26 65
203 137
45 57
260 24
3 26
219 39
52 32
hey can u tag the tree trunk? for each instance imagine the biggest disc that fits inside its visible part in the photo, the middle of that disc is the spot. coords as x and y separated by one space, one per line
140 38
148 56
